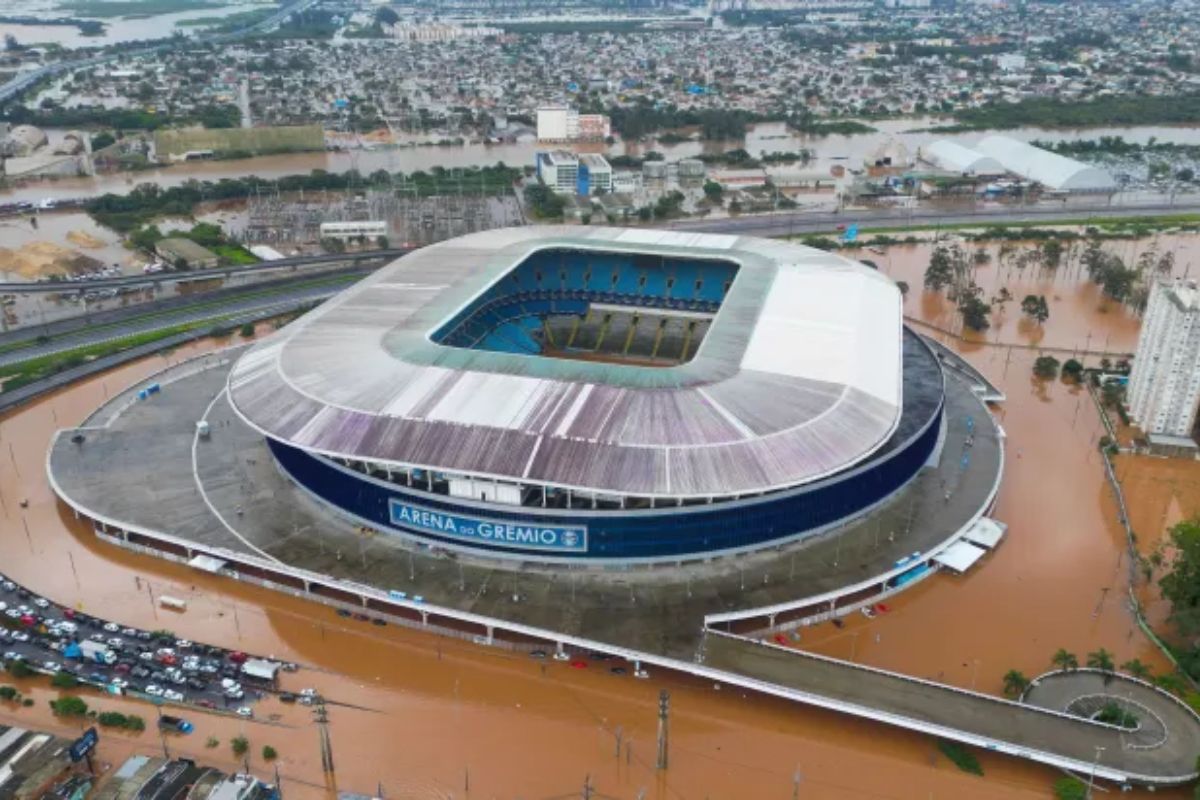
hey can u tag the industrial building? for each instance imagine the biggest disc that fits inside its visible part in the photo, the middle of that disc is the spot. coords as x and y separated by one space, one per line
32 763
1164 389
179 251
1051 170
600 396
595 175
954 157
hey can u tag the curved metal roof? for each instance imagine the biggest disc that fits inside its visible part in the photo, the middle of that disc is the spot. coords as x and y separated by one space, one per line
952 156
1047 168
798 377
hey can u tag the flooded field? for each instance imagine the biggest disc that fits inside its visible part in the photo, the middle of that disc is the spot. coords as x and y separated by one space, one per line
1080 316
427 717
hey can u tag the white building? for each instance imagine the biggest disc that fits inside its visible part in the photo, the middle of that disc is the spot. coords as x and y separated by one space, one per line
953 157
595 174
1049 169
557 124
560 123
1164 389
352 230
559 169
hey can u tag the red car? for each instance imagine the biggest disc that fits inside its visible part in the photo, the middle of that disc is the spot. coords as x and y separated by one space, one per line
577 664
238 657
781 639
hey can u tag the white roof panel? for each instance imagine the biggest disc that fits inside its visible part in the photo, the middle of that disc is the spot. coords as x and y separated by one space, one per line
960 556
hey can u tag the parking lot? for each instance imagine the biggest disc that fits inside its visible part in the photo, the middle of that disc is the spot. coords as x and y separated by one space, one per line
155 665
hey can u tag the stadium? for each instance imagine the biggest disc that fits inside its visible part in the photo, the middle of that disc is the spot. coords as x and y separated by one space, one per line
605 396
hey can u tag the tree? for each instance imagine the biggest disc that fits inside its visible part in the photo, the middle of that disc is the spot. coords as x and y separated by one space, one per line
19 669
9 693
1100 659
940 272
247 330
69 706
102 140
1052 251
1137 669
386 16
1112 394
1036 308
1070 789
1015 682
1180 585
1045 367
268 753
1064 659
903 287
713 191
973 309
1187 175
240 745
1072 369
64 680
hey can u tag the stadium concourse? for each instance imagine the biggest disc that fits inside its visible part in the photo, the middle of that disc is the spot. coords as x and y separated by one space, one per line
764 438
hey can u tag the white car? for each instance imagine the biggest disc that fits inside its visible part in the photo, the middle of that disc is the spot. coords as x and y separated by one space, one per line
116 642
146 656
8 586
171 694
42 602
183 644
230 683
66 627
234 694
20 636
51 666
154 691
120 683
245 711
112 627
3 606
11 656
129 631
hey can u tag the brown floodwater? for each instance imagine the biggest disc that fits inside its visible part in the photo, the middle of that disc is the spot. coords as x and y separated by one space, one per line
1080 316
424 716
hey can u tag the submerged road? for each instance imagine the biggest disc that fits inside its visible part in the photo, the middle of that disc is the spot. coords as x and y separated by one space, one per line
993 723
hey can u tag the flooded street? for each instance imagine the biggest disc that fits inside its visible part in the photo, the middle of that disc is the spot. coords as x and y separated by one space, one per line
423 716
132 28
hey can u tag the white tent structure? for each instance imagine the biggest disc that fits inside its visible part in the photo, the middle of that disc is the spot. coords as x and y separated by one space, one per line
1049 169
953 157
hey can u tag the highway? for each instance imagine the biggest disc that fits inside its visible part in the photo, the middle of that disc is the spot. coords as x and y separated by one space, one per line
800 222
58 287
255 302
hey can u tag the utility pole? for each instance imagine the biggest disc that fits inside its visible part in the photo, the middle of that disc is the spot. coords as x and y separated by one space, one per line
1092 774
664 711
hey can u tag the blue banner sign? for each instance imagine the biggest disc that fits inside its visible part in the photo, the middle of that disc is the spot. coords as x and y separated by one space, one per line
84 744
523 535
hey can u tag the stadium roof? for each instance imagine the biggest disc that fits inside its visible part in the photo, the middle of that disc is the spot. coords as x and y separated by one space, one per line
798 377
953 157
1049 169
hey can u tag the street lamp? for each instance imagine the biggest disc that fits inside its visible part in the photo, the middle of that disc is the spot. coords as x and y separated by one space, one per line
1092 775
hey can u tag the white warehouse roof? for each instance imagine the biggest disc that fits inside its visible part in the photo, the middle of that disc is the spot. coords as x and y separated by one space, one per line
953 157
800 375
1048 169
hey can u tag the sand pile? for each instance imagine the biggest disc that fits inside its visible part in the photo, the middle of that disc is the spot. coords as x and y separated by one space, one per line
84 240
40 259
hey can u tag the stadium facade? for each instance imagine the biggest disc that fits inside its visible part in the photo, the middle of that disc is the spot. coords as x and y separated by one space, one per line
600 395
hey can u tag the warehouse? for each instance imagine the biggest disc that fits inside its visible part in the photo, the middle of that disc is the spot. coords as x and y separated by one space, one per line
1051 170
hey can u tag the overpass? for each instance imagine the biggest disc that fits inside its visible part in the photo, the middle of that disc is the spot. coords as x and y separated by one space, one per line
789 223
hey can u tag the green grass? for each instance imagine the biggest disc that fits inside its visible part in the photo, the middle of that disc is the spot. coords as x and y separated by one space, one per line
235 254
271 139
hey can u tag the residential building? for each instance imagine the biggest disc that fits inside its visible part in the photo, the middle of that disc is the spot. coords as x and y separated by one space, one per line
557 124
1164 389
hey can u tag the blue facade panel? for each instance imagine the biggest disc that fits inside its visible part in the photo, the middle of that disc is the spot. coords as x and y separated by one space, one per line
687 531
